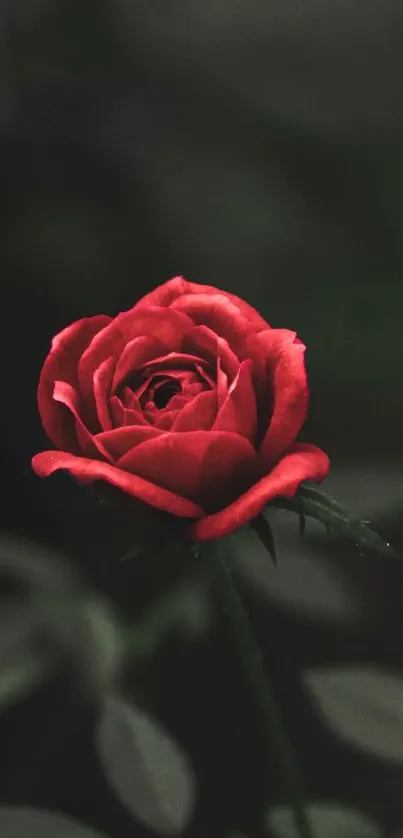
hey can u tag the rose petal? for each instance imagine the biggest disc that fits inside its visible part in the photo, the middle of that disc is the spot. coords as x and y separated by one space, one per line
210 346
166 325
130 400
178 401
209 467
206 377
132 417
122 415
290 404
238 412
65 394
219 314
223 317
87 471
275 340
102 387
222 384
174 361
164 294
135 354
61 365
198 414
304 462
164 419
176 287
121 440
191 389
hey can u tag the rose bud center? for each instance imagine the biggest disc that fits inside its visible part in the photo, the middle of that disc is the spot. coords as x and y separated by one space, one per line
161 391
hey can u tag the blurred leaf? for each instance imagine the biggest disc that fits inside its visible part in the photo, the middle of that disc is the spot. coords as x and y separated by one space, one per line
304 581
194 614
19 621
27 822
186 607
37 567
18 678
363 705
49 629
327 821
104 646
146 768
51 619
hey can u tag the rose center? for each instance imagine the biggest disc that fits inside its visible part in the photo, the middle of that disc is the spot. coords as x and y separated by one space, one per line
163 391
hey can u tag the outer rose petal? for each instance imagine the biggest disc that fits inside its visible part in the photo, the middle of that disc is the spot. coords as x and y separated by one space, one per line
219 314
164 419
102 389
222 384
238 412
210 467
87 471
210 346
165 324
198 414
66 395
304 462
290 396
130 400
167 293
122 415
175 361
178 401
275 340
223 317
136 353
121 440
61 365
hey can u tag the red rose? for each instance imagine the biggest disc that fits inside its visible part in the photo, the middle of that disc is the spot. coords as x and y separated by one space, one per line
189 402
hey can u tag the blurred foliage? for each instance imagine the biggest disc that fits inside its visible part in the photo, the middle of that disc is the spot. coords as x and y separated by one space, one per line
51 618
51 622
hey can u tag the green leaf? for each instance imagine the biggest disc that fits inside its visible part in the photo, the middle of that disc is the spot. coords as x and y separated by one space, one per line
328 820
146 767
20 677
317 504
35 566
101 642
363 705
24 821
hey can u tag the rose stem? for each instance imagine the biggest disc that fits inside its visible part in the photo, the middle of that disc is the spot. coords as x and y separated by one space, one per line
251 660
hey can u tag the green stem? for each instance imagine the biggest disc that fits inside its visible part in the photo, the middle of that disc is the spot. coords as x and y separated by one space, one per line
251 660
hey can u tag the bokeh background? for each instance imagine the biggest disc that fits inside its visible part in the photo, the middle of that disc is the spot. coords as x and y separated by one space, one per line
253 146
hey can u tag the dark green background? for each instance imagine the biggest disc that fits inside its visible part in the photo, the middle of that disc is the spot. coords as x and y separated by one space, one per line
254 146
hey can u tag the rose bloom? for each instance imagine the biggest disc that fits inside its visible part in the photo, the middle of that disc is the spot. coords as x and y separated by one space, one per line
189 402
